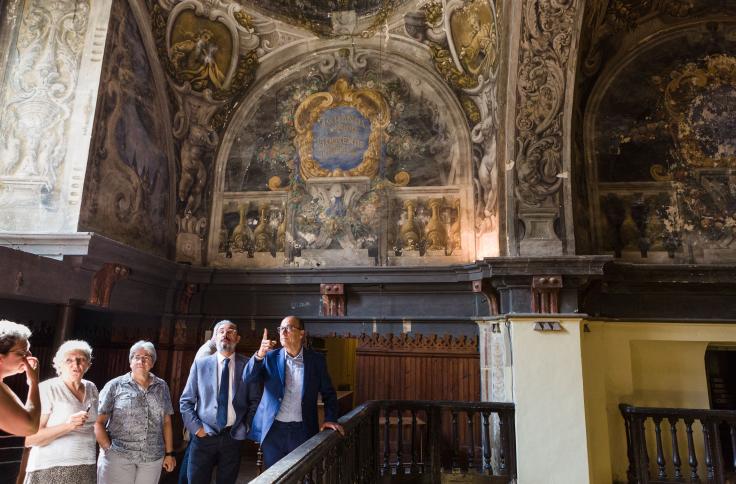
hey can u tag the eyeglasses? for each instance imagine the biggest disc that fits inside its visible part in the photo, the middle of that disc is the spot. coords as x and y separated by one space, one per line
22 353
229 331
287 329
78 360
142 358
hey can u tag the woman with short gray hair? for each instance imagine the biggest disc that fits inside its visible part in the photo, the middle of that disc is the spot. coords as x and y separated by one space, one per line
63 450
134 423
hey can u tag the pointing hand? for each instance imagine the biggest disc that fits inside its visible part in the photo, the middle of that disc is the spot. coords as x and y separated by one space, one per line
266 345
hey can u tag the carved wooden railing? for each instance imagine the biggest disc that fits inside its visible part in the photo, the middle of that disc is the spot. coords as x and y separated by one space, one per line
654 437
407 440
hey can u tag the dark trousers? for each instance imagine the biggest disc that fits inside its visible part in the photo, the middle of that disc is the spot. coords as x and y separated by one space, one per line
282 438
184 466
217 450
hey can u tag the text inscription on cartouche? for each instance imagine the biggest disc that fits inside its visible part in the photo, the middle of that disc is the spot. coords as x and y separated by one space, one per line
340 138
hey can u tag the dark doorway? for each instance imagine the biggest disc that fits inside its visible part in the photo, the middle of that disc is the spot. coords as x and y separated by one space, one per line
720 370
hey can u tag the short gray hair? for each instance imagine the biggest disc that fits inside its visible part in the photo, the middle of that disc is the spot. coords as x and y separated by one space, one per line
142 345
10 333
223 323
68 347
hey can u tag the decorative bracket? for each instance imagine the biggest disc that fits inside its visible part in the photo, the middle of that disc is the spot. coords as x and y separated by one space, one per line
333 299
546 294
103 282
484 287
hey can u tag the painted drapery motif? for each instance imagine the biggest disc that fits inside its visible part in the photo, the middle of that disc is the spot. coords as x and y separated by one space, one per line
127 192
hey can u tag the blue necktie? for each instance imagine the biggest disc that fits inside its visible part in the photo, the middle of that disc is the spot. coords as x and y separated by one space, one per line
222 394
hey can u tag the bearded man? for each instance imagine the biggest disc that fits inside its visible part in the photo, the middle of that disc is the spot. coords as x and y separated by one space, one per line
215 406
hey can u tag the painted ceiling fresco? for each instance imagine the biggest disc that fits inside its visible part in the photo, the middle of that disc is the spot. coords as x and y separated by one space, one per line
317 15
663 144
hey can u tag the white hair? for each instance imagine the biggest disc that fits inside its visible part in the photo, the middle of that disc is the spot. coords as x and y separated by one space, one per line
143 345
69 347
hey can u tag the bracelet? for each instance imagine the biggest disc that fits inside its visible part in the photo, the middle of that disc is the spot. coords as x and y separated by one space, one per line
170 454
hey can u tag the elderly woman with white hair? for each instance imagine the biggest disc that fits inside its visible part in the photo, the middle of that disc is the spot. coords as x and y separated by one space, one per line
63 450
133 427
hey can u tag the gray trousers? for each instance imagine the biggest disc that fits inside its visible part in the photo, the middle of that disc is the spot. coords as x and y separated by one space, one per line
113 468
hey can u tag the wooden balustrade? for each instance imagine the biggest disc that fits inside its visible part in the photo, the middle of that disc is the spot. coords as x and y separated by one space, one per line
391 440
647 432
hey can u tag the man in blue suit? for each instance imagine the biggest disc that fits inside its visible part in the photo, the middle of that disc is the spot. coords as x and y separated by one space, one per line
292 377
215 407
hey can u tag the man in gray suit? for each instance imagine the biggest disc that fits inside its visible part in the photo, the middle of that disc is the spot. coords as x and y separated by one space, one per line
215 406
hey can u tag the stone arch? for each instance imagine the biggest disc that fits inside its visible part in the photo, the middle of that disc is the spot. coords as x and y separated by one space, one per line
652 192
400 61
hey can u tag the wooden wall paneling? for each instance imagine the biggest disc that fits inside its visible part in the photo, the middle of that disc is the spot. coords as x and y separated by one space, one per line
422 367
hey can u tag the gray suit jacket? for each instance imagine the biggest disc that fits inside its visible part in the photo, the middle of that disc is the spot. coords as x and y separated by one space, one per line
198 402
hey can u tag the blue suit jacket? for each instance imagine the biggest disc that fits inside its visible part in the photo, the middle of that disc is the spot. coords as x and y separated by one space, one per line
271 371
198 402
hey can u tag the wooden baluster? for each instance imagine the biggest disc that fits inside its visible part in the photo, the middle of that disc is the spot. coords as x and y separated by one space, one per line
630 474
455 440
732 428
676 462
709 468
386 435
661 472
320 472
434 433
399 439
332 466
372 462
643 448
259 461
692 460
471 431
503 434
487 444
412 467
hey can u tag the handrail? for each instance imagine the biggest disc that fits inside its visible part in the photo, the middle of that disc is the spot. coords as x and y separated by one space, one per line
646 435
314 449
376 446
677 412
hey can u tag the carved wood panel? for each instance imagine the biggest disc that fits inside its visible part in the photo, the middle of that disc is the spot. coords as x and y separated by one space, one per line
417 367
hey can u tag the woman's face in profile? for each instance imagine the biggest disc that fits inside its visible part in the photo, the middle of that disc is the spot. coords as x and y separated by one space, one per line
14 361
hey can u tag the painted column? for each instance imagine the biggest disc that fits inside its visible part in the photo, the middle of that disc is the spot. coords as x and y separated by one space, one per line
47 106
551 431
494 345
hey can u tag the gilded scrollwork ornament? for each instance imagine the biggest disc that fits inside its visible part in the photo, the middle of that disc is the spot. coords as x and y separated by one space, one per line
464 39
209 51
546 37
340 132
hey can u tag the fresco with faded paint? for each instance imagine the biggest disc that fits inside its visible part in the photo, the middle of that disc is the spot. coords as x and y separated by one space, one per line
416 141
330 166
664 148
127 193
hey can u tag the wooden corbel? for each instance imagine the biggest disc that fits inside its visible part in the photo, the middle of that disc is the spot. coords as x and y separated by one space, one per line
484 287
104 281
333 299
546 294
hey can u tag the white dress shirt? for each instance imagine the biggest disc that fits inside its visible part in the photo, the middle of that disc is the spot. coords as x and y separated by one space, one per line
231 368
291 405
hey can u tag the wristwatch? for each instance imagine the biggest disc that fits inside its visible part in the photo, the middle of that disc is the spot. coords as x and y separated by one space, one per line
170 454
